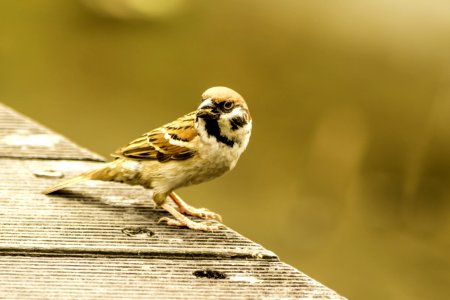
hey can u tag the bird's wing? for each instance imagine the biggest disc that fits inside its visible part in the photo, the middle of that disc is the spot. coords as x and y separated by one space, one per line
168 142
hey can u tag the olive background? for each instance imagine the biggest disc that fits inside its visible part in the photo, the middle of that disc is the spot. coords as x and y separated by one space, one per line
347 175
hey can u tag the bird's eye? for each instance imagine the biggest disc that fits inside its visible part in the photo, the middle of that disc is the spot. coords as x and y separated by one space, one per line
228 105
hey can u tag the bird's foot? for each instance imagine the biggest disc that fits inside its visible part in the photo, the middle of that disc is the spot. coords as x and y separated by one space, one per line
204 226
185 208
199 212
183 221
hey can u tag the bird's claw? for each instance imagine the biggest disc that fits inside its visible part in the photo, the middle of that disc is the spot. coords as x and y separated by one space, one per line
205 214
204 226
199 212
185 208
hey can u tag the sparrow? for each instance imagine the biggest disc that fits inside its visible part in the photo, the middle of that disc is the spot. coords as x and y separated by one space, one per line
197 147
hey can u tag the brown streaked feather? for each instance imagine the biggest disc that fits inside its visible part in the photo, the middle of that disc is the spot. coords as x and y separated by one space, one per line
155 145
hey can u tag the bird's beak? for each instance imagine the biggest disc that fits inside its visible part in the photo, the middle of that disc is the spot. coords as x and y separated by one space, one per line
207 109
207 103
207 113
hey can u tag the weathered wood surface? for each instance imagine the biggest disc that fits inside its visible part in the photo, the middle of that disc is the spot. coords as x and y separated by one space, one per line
102 239
22 138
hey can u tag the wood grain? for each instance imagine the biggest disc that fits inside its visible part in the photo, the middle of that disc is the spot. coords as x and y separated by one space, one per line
100 239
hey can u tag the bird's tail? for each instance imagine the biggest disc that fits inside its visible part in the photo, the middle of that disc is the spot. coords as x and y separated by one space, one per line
65 183
108 172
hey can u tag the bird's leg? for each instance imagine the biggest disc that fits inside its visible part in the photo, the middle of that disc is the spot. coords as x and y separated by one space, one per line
185 208
183 221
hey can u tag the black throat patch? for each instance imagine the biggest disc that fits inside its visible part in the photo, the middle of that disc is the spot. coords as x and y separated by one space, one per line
213 129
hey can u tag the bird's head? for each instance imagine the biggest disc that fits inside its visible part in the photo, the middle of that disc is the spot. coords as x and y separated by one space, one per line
225 111
223 103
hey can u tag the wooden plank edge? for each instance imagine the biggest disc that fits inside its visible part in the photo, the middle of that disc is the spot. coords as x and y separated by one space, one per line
38 157
127 253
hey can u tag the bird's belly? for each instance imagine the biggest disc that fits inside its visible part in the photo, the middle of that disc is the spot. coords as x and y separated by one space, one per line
187 173
171 175
204 172
213 163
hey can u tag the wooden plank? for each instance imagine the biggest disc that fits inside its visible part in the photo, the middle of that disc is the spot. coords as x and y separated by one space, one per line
103 217
21 137
130 278
102 239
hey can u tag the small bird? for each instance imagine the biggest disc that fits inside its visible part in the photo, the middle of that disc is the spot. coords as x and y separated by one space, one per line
195 148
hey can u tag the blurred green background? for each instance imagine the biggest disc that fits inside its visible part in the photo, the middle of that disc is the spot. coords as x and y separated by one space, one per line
347 176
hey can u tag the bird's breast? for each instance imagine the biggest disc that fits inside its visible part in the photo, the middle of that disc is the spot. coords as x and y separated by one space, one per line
212 159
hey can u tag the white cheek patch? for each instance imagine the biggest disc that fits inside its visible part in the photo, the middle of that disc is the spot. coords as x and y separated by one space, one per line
236 112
